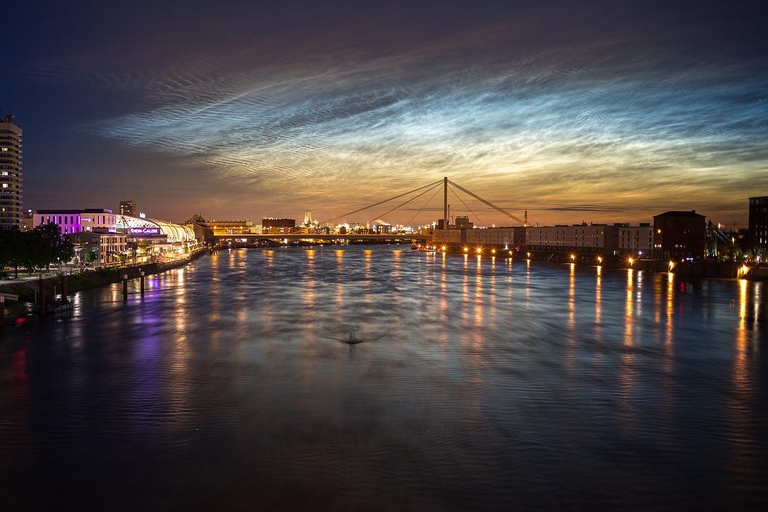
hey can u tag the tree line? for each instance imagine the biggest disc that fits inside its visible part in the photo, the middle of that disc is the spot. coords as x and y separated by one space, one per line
35 249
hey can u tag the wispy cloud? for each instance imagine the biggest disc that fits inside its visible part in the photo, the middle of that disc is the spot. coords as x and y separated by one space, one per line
556 128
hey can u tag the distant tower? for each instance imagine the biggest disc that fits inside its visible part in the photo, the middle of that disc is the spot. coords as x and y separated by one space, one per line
307 218
128 208
11 175
526 218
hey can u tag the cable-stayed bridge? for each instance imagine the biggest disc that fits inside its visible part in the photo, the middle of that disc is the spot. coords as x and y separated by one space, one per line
445 185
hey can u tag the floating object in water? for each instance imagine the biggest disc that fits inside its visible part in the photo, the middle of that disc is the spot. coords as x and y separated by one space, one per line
353 340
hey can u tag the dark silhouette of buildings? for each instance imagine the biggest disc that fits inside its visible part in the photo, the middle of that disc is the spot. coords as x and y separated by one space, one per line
679 234
758 222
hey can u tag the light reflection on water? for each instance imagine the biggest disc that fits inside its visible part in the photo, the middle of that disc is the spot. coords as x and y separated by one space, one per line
481 383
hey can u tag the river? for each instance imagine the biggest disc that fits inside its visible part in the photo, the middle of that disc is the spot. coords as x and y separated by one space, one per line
471 384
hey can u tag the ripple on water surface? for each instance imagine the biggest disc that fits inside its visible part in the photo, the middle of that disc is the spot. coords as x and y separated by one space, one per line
375 377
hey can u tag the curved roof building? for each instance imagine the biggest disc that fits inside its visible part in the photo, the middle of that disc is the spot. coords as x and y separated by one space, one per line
140 228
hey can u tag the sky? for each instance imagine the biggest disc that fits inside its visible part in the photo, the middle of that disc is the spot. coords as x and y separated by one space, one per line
609 111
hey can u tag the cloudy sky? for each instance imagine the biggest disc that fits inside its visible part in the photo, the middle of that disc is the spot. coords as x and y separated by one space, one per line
596 111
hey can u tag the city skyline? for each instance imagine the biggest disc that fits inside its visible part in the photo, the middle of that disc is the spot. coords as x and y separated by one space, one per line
248 112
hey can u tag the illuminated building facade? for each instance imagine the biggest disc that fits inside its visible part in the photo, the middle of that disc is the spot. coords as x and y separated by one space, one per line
11 174
636 240
506 237
272 225
581 238
108 247
75 221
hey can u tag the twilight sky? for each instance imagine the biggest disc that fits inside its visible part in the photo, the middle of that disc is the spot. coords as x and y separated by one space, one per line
577 110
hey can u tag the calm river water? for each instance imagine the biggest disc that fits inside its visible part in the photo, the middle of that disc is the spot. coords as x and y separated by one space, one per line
478 385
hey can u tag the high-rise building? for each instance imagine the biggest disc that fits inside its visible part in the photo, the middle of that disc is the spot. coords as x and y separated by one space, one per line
128 208
758 222
11 176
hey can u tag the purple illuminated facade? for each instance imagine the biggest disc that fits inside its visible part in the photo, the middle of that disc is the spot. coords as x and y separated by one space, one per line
76 221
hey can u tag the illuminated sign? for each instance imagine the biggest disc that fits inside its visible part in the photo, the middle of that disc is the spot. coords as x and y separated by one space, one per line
145 231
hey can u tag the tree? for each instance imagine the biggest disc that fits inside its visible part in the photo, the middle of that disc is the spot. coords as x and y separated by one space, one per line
91 256
51 246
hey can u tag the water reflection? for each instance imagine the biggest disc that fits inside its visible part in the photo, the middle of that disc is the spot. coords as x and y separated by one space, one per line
228 381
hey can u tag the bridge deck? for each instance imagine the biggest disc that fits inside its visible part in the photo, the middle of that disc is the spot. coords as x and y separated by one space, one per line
296 236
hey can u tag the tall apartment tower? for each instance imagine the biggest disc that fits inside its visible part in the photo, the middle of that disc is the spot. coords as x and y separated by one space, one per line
11 176
128 208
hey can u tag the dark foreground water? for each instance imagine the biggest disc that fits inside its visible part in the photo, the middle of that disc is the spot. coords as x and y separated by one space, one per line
478 386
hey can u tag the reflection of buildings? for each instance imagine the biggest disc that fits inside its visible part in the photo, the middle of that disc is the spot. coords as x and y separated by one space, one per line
11 175
272 225
128 208
679 234
758 222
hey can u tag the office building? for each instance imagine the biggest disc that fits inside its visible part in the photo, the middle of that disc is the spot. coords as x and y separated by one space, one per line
635 240
108 247
128 208
272 225
679 235
11 173
758 222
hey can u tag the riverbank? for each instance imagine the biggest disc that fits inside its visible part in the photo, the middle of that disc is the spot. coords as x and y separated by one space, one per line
698 269
30 291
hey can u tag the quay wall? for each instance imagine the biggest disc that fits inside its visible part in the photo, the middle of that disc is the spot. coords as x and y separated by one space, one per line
29 290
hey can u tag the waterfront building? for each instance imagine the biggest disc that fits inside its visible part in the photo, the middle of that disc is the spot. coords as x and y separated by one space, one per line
75 221
635 240
510 237
11 173
128 208
679 235
109 247
207 230
150 239
273 225
758 222
579 238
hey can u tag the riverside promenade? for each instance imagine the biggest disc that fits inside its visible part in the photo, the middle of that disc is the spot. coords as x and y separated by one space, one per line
52 285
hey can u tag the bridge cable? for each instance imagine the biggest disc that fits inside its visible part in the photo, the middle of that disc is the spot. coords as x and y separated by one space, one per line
384 201
466 205
422 208
406 202
517 219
